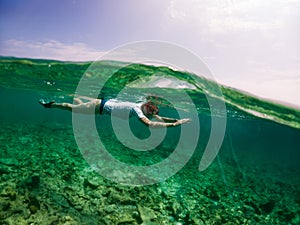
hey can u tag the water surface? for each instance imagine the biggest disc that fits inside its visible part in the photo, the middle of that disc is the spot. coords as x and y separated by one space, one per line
45 179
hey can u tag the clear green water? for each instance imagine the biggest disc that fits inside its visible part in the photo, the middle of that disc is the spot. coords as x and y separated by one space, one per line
46 180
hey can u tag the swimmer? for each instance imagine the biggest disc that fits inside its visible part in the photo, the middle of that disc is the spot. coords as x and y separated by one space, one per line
143 111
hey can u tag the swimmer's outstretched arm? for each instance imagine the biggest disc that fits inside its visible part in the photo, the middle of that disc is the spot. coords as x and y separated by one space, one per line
150 123
165 119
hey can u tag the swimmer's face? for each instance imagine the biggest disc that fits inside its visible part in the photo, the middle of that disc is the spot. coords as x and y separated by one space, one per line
150 109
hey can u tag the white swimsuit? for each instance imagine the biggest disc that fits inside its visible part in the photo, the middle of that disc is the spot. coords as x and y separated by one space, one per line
123 110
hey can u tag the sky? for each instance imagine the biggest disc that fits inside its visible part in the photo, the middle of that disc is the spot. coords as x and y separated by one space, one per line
252 45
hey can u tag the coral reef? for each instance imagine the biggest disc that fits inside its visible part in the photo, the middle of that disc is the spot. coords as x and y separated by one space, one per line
45 180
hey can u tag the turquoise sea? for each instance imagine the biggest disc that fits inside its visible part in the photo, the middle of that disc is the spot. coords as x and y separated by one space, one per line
45 178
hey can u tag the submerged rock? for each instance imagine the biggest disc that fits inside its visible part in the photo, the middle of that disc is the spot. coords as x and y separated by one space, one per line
9 161
35 181
33 204
267 207
147 215
32 182
10 193
92 182
3 171
60 200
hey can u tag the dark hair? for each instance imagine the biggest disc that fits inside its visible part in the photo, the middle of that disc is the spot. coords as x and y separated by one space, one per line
151 108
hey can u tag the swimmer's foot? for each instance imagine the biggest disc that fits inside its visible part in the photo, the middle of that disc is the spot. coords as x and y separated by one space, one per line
46 104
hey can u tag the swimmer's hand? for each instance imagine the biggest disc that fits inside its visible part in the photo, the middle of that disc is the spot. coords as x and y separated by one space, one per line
182 121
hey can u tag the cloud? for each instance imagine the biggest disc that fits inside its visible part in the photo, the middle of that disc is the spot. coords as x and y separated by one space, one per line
221 17
51 49
251 45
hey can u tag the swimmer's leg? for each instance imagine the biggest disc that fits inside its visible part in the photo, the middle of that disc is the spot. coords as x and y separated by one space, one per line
63 106
85 108
46 104
53 104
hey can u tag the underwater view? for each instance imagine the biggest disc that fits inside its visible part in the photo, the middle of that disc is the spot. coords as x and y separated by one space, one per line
50 174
